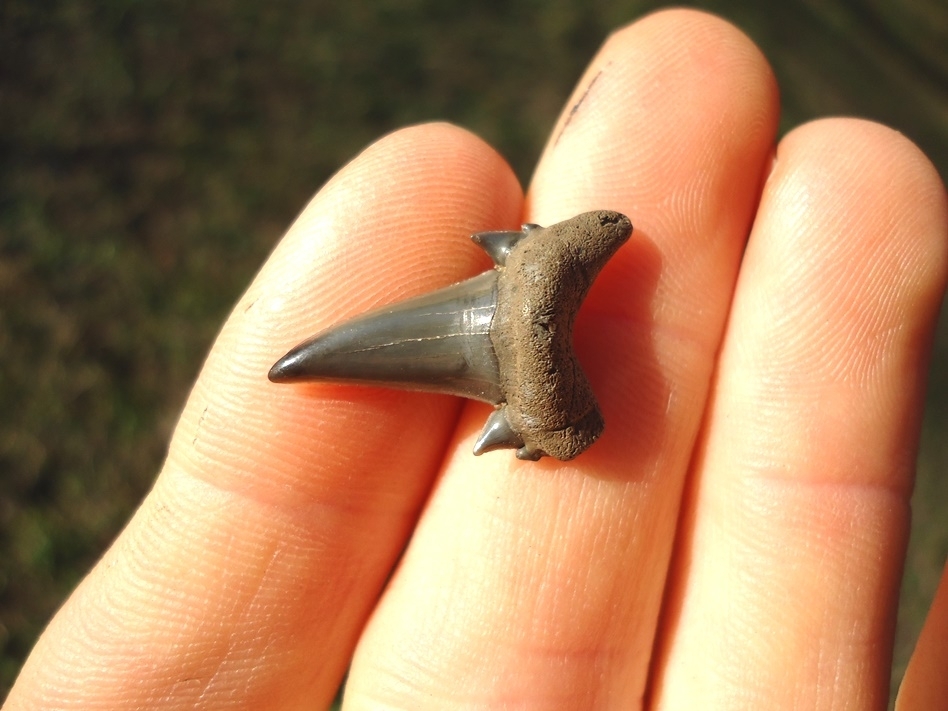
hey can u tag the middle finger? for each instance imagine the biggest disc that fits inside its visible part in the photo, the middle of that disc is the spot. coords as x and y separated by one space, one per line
540 584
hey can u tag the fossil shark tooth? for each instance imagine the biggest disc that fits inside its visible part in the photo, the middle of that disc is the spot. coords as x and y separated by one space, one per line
504 337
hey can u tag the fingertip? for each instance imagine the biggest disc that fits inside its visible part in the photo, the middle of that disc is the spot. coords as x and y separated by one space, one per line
666 101
690 29
855 176
404 193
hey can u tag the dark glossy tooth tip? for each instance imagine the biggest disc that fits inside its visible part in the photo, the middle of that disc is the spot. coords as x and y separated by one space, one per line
439 342
310 360
287 369
497 434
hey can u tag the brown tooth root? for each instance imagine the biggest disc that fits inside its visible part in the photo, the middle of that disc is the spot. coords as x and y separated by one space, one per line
549 402
504 336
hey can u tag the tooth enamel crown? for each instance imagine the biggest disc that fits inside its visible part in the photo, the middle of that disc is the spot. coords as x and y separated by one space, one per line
504 337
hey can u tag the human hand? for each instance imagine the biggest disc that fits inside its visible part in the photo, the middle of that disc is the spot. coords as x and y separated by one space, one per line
734 540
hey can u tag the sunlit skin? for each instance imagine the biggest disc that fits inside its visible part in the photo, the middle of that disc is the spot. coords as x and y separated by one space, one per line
735 539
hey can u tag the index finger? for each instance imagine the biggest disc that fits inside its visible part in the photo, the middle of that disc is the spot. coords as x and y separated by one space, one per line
247 573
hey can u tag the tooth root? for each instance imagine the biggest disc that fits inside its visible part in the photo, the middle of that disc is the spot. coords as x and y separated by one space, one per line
439 342
497 434
549 399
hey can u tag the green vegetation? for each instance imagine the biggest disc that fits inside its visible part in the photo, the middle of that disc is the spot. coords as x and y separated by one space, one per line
152 154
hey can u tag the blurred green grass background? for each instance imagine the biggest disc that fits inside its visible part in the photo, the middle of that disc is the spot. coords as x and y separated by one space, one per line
151 154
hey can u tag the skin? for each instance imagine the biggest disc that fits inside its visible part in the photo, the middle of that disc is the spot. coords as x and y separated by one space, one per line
734 540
